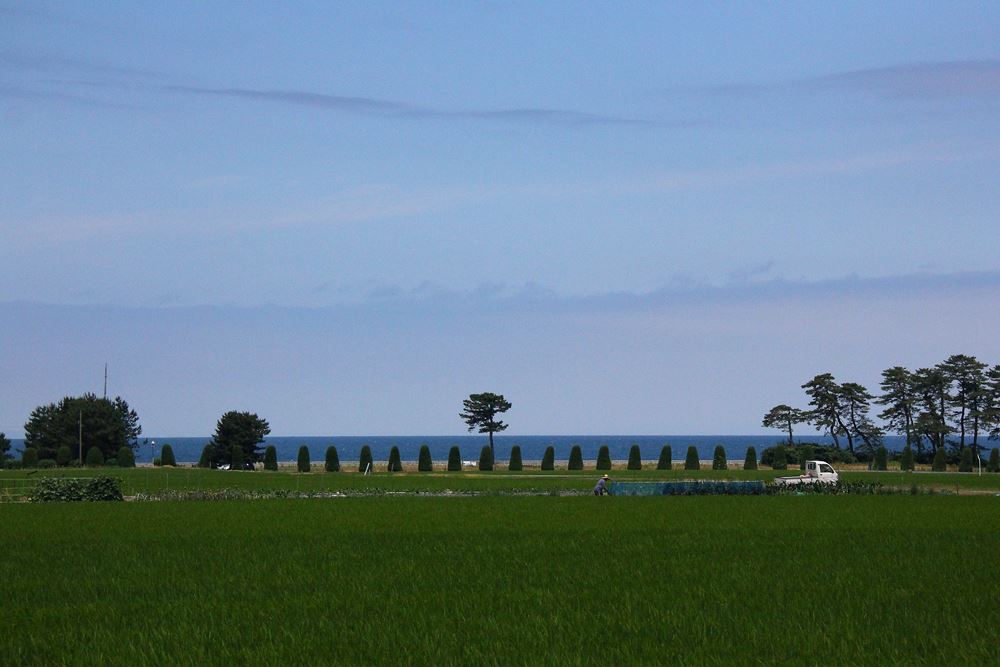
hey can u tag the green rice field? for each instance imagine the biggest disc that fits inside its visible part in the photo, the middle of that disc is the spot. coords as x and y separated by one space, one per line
504 580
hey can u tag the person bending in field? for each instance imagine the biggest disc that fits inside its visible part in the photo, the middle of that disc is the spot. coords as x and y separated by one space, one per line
602 486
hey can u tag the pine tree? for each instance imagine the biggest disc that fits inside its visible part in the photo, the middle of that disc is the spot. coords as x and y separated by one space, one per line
575 458
365 460
394 464
126 458
424 461
207 454
750 462
167 456
666 461
940 463
332 462
780 461
603 458
515 459
454 459
881 459
634 458
549 459
303 463
270 458
486 459
965 462
692 462
237 457
719 461
906 460
94 456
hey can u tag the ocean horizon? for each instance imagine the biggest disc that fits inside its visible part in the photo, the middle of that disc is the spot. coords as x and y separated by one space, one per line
188 449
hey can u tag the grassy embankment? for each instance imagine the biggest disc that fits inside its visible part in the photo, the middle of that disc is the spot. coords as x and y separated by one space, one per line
152 480
760 580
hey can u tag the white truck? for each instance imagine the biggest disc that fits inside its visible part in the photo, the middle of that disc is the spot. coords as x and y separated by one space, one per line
816 471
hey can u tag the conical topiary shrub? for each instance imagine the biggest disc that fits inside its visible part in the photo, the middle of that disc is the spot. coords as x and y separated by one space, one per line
965 460
166 456
691 462
719 461
208 452
302 463
486 459
666 461
29 457
940 462
881 459
424 461
634 458
549 459
994 464
365 460
515 459
332 461
237 457
906 459
750 461
126 459
454 459
394 464
270 458
94 457
780 461
64 455
603 458
575 458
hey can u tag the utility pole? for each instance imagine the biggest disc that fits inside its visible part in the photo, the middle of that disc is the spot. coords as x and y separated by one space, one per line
80 435
105 380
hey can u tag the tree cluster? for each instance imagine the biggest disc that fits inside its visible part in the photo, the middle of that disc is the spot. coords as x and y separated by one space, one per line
955 404
101 423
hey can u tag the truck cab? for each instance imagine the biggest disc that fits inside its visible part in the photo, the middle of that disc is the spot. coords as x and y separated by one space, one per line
816 471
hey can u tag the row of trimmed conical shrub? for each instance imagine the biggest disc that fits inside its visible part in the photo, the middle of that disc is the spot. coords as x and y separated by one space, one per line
125 458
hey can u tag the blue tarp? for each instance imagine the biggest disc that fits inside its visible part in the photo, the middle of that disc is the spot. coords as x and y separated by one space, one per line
687 488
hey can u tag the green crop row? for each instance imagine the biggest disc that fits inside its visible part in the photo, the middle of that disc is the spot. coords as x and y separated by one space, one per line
501 580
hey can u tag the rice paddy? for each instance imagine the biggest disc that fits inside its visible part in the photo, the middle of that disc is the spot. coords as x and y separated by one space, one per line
503 580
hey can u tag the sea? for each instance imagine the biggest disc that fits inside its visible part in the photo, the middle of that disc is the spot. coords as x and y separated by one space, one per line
188 450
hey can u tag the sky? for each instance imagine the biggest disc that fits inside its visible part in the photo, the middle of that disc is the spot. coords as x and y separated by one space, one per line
628 218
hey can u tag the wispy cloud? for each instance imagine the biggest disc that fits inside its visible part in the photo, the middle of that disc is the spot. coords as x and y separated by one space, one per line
388 108
51 63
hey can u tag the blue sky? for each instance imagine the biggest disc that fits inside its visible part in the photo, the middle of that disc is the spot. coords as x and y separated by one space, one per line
346 216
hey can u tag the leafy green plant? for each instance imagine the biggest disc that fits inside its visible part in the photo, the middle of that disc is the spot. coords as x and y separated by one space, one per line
515 459
719 461
167 456
270 458
424 461
750 461
64 455
94 457
603 458
394 464
575 458
303 464
29 458
56 489
486 459
126 458
634 458
994 464
692 462
332 461
666 461
549 458
940 462
454 459
103 488
365 459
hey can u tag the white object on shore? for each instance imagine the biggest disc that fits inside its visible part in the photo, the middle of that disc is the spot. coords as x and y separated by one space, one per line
816 471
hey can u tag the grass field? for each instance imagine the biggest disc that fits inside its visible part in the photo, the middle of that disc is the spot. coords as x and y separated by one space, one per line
504 580
14 483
